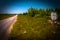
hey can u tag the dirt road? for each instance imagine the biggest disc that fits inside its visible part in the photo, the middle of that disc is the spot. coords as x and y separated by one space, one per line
6 26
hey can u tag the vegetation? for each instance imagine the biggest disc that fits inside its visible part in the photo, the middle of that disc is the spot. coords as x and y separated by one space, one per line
33 25
4 16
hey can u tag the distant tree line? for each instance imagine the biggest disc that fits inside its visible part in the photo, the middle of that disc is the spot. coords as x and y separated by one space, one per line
42 12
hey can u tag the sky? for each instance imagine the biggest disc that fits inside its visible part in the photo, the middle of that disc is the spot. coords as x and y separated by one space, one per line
21 6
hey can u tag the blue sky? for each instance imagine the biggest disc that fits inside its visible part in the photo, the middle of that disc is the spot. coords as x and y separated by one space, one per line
23 7
20 6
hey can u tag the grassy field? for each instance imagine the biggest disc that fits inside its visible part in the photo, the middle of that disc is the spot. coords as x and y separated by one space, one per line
31 28
4 16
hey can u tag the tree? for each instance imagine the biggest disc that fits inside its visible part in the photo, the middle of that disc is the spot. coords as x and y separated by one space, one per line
31 12
25 13
58 13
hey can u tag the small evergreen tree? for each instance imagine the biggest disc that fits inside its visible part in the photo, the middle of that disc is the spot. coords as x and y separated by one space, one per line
31 12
